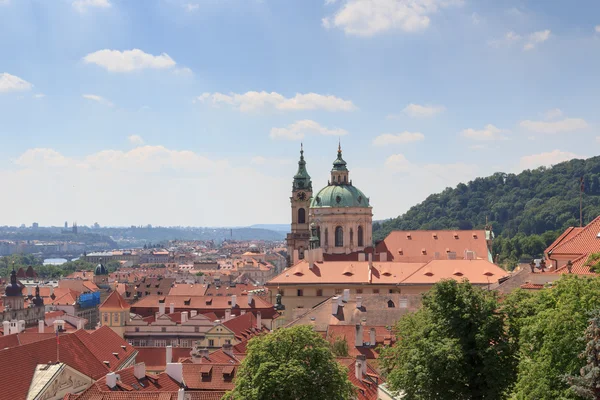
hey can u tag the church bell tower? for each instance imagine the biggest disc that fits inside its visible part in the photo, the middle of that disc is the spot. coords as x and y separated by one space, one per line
298 239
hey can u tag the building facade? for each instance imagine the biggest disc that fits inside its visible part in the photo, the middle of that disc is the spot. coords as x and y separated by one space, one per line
340 211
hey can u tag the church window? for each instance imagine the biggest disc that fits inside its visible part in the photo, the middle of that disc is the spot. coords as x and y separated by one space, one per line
360 237
391 304
301 216
351 237
301 253
319 232
326 237
339 237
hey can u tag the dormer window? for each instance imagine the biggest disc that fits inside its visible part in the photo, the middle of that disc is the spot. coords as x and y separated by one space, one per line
391 304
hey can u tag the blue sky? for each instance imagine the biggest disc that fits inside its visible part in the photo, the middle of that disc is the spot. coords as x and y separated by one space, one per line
191 112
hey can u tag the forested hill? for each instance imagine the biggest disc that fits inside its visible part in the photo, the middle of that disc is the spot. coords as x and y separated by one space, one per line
544 200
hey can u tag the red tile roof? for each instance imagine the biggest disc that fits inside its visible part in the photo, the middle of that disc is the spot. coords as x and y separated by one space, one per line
155 357
216 379
150 383
367 387
115 301
80 350
383 336
243 326
579 241
407 246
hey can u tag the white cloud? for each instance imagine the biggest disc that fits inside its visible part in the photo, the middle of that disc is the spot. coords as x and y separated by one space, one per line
489 132
535 38
299 129
371 17
128 60
422 111
561 126
508 39
189 7
11 83
397 138
398 163
136 140
254 101
553 114
184 71
4 2
84 5
475 18
39 96
597 28
98 99
546 159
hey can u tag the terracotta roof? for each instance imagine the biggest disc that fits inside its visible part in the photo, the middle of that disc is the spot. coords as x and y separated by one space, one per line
155 357
115 301
186 289
367 387
204 304
150 383
221 357
383 336
216 379
243 326
532 286
579 241
240 289
93 393
81 351
407 246
479 272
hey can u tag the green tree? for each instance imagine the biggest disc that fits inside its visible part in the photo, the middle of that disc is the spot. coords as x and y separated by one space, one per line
339 347
549 337
291 364
587 383
455 347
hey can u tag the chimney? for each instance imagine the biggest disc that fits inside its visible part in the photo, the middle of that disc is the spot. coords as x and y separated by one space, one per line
258 320
80 324
233 300
111 380
372 337
171 308
358 339
204 353
175 371
334 305
359 302
193 313
41 326
6 327
161 308
21 325
250 299
360 367
169 354
228 349
139 370
181 394
184 317
346 296
227 314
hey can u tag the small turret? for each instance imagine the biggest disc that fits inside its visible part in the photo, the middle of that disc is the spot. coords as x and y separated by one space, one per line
302 178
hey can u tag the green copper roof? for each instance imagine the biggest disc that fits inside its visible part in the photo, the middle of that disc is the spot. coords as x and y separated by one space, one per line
302 179
339 164
339 196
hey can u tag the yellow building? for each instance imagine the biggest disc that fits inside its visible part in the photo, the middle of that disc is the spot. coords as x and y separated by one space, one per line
114 313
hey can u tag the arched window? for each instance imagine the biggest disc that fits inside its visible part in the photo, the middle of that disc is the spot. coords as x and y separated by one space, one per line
351 237
339 237
326 237
301 253
319 234
391 304
360 237
301 216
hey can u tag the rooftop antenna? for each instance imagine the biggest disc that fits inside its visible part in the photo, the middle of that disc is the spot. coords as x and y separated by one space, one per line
581 189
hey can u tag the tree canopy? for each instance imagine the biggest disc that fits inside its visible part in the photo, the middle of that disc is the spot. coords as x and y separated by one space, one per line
291 364
455 347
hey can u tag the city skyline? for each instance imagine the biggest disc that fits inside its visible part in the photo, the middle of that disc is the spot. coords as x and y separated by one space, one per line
191 113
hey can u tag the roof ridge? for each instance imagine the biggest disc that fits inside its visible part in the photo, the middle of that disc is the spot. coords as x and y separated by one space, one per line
581 231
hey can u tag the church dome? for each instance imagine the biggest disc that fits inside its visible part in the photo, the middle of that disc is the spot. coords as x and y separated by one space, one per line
13 289
100 270
339 196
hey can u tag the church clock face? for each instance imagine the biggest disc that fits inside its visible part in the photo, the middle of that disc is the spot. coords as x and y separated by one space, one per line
301 196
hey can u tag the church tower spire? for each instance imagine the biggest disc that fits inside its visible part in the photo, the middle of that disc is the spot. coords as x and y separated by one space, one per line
298 239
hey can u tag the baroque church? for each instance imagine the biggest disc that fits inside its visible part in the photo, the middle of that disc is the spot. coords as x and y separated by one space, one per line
337 219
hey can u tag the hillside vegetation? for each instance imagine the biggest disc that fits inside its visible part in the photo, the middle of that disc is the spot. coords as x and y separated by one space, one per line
526 211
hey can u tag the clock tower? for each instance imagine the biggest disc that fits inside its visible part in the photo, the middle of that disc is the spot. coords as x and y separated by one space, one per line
298 239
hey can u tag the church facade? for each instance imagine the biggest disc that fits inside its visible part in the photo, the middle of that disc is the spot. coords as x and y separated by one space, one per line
340 213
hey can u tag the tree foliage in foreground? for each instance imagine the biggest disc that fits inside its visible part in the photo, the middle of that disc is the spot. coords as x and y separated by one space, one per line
291 364
549 327
587 383
454 348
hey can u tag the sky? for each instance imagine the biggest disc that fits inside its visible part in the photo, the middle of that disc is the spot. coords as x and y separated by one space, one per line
191 112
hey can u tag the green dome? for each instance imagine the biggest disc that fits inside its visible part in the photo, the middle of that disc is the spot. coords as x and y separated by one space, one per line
339 196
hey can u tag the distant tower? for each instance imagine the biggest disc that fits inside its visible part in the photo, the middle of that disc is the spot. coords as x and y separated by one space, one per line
75 228
13 298
299 237
66 225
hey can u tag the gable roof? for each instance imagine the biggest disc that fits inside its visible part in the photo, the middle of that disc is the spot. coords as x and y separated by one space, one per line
209 376
578 240
115 301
